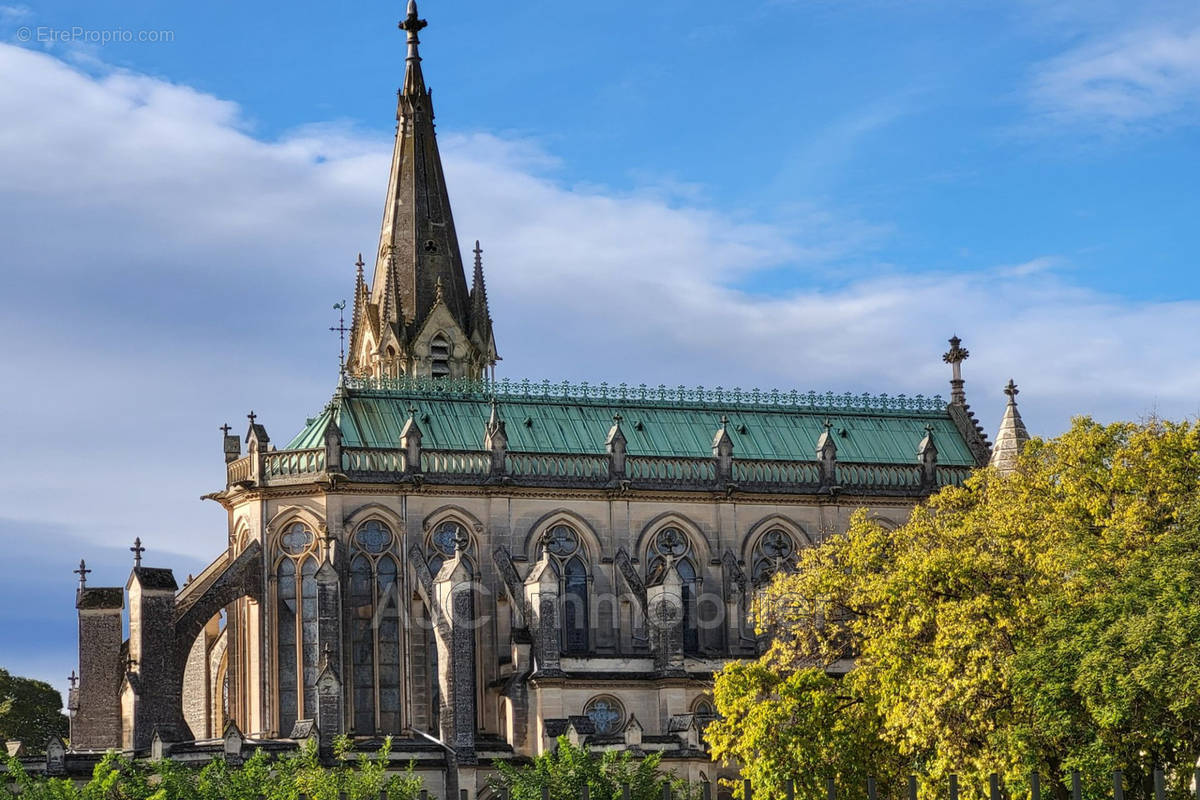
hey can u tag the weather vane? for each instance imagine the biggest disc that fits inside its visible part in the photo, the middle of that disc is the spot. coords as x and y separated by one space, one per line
341 332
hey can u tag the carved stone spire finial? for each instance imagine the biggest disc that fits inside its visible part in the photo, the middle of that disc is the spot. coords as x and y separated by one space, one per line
137 551
954 357
414 81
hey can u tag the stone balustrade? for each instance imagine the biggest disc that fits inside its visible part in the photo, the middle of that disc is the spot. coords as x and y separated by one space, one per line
363 464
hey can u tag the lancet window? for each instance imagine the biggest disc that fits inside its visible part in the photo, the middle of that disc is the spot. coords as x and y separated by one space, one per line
296 629
672 545
374 605
567 560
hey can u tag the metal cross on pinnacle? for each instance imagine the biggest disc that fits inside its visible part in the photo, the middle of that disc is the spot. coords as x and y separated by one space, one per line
341 332
137 551
225 429
73 679
82 572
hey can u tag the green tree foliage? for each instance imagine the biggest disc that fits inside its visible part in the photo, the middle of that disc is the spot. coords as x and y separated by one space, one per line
566 769
285 778
1048 619
30 712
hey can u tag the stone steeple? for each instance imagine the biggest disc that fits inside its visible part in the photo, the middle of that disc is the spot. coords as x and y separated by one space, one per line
418 317
1012 435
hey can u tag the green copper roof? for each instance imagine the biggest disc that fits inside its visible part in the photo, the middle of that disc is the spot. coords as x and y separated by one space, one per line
562 418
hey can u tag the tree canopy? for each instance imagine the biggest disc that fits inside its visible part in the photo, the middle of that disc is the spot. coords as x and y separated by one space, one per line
116 777
1047 619
30 711
566 769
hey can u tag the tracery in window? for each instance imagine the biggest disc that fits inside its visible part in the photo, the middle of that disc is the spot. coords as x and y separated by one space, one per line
566 559
606 713
671 542
375 631
774 552
296 625
444 541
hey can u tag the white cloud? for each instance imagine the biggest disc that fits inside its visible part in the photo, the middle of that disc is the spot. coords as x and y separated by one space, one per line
1150 75
165 271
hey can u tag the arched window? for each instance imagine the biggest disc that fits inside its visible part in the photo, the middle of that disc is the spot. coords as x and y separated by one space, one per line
774 552
566 558
704 711
439 355
674 543
375 631
606 713
296 629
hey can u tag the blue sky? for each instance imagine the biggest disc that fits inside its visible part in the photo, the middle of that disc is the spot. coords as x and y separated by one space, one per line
795 193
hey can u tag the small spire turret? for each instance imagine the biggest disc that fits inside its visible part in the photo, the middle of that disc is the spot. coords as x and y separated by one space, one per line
1012 436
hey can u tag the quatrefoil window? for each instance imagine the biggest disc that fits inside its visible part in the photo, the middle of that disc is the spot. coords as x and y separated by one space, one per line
296 539
373 537
606 713
447 535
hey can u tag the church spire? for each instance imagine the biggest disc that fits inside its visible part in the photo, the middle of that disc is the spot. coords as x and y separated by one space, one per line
420 329
1012 435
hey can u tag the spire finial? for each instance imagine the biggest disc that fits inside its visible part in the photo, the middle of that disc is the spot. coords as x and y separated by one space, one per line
1012 391
82 572
954 357
414 82
73 679
252 416
225 429
478 255
360 264
137 551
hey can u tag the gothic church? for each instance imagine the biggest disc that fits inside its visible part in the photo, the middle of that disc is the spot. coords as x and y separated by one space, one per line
477 566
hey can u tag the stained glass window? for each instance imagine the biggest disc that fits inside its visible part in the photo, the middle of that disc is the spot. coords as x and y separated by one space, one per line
775 551
606 713
673 542
375 631
562 543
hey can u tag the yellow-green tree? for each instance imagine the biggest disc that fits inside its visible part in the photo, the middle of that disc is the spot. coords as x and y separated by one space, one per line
1048 619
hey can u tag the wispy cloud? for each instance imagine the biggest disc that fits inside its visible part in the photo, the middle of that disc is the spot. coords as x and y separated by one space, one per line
175 270
1149 76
